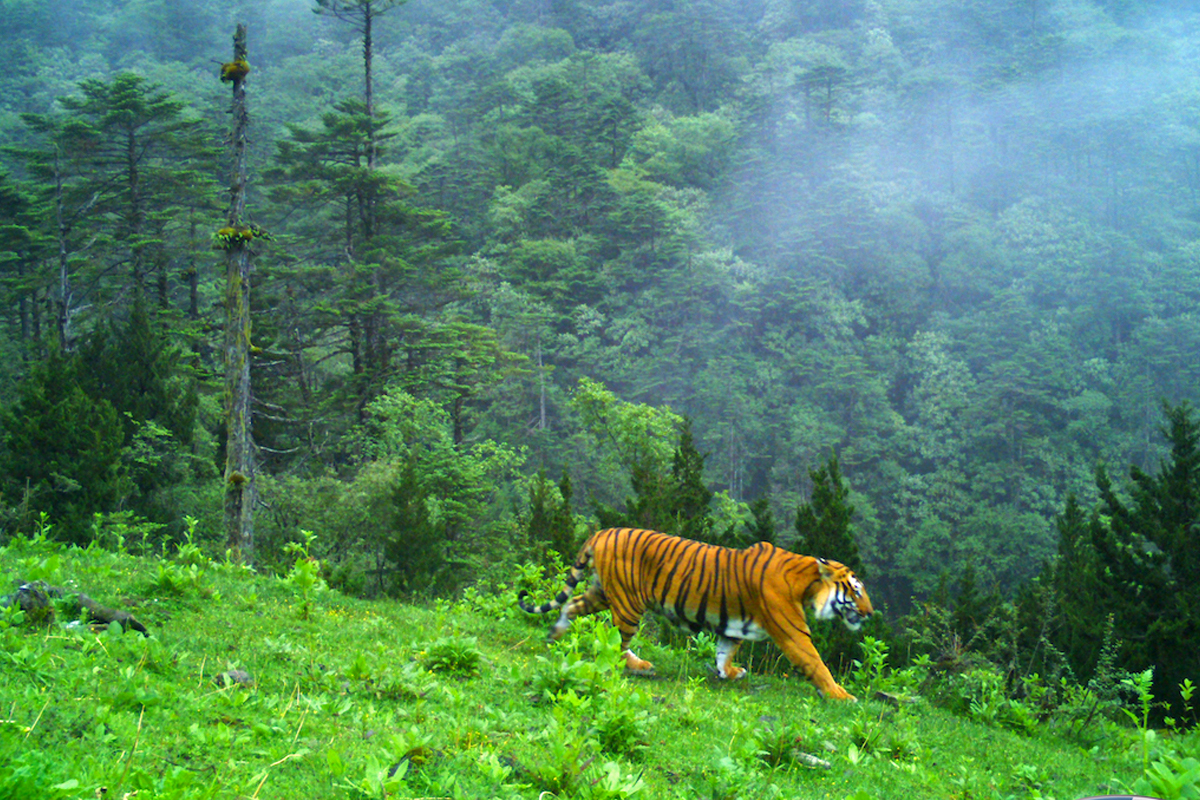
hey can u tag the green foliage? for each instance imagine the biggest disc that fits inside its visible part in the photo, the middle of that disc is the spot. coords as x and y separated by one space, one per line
586 662
763 527
550 521
676 502
631 438
108 428
126 174
305 575
454 654
625 724
777 743
824 530
417 512
386 258
885 230
868 671
1141 685
63 451
188 552
1171 778
669 489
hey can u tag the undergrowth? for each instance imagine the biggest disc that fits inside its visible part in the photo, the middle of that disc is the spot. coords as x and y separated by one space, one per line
255 686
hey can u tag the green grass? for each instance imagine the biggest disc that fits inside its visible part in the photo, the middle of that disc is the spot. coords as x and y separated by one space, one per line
372 699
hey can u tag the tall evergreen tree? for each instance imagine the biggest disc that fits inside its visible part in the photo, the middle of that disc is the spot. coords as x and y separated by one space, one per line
675 501
126 172
21 247
134 365
763 527
690 494
62 450
823 529
550 522
823 526
1137 562
362 14
377 255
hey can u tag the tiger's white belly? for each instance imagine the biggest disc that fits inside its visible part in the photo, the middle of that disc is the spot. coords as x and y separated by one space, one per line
731 628
742 629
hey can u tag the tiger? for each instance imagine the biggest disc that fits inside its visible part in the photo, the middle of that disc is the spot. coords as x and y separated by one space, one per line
738 595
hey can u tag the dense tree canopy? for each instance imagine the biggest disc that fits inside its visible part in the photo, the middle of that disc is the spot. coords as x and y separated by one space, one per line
953 244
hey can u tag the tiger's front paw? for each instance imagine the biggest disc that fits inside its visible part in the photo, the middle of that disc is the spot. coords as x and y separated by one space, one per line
732 673
836 692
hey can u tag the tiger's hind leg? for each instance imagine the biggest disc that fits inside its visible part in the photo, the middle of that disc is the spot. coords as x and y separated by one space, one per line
590 602
627 620
726 650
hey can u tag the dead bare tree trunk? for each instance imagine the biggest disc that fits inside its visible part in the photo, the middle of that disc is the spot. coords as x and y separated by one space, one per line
63 317
235 238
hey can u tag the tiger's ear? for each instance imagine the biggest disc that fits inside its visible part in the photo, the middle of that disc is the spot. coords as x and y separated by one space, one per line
825 569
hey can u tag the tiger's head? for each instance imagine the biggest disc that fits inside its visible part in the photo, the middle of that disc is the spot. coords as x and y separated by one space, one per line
839 593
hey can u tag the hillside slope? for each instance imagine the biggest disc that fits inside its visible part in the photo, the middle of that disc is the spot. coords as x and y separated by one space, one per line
347 698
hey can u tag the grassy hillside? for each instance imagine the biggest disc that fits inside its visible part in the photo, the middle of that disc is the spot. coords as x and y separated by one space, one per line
358 699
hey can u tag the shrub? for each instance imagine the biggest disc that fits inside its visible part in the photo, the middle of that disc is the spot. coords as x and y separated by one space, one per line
456 654
624 722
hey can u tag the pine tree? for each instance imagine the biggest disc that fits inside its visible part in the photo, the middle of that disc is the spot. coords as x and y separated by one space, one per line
823 526
125 174
378 253
690 496
1136 562
674 502
763 527
22 246
823 529
415 550
62 450
134 365
362 14
550 523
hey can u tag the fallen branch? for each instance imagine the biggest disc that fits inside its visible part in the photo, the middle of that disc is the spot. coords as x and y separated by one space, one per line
35 598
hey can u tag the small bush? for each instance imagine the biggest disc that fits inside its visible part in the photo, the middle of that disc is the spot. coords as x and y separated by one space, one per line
1171 778
587 662
624 723
457 654
980 695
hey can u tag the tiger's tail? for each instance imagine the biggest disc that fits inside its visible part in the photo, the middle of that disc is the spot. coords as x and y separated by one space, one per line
579 570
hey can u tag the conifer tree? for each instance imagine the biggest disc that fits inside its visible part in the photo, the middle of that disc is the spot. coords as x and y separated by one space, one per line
378 250
1135 562
124 173
62 449
362 15
823 529
690 496
763 527
675 501
823 523
550 522
21 248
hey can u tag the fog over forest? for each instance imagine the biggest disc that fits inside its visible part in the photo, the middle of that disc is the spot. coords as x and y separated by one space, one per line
951 244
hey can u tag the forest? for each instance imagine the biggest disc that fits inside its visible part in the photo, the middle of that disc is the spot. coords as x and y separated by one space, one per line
915 280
